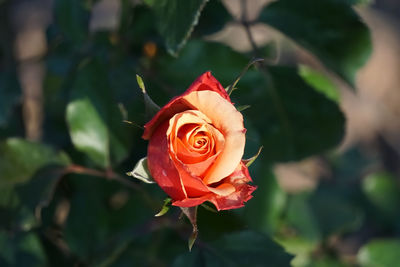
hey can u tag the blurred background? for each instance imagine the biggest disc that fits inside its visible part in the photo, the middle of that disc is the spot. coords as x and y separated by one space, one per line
325 105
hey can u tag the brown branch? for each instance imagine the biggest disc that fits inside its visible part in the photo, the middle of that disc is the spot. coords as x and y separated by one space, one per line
246 24
109 174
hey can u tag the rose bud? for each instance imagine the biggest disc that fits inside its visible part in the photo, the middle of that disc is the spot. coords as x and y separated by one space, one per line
196 146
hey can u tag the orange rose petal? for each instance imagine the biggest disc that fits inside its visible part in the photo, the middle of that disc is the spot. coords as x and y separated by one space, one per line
176 105
241 173
194 186
181 136
243 191
208 82
239 194
187 156
198 169
182 150
218 142
229 122
204 82
223 189
190 202
242 194
161 166
218 138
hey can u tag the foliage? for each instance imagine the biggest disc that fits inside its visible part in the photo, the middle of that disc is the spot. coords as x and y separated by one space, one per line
66 200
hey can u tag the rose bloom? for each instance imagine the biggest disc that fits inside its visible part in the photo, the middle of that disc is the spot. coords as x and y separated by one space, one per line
196 147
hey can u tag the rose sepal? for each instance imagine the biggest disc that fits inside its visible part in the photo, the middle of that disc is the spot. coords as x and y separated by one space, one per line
141 172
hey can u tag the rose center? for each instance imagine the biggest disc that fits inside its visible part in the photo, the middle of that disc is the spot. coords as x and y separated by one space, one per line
200 142
194 140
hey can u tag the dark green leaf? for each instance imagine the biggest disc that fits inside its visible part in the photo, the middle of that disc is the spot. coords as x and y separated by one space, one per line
334 213
101 211
290 115
263 212
20 159
301 217
213 18
22 249
380 253
383 191
244 248
320 82
94 120
39 191
22 185
10 94
72 17
176 20
206 56
328 28
222 222
21 205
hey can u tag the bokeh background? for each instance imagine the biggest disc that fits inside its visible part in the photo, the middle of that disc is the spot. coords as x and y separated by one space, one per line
325 106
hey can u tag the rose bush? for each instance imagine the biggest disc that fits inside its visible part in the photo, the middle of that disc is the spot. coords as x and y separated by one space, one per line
196 146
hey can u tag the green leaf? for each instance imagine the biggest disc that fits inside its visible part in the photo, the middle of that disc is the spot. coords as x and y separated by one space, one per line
303 228
301 217
176 20
264 211
222 223
21 205
209 208
141 172
38 192
164 208
250 161
380 253
20 159
383 191
244 248
88 131
330 29
289 115
207 56
319 82
94 120
103 215
10 94
23 185
21 249
335 213
213 18
242 107
151 107
72 18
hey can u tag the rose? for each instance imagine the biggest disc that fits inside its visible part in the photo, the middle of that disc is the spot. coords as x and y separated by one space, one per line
196 147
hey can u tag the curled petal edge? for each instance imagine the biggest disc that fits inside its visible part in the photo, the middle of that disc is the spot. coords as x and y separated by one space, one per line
243 192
